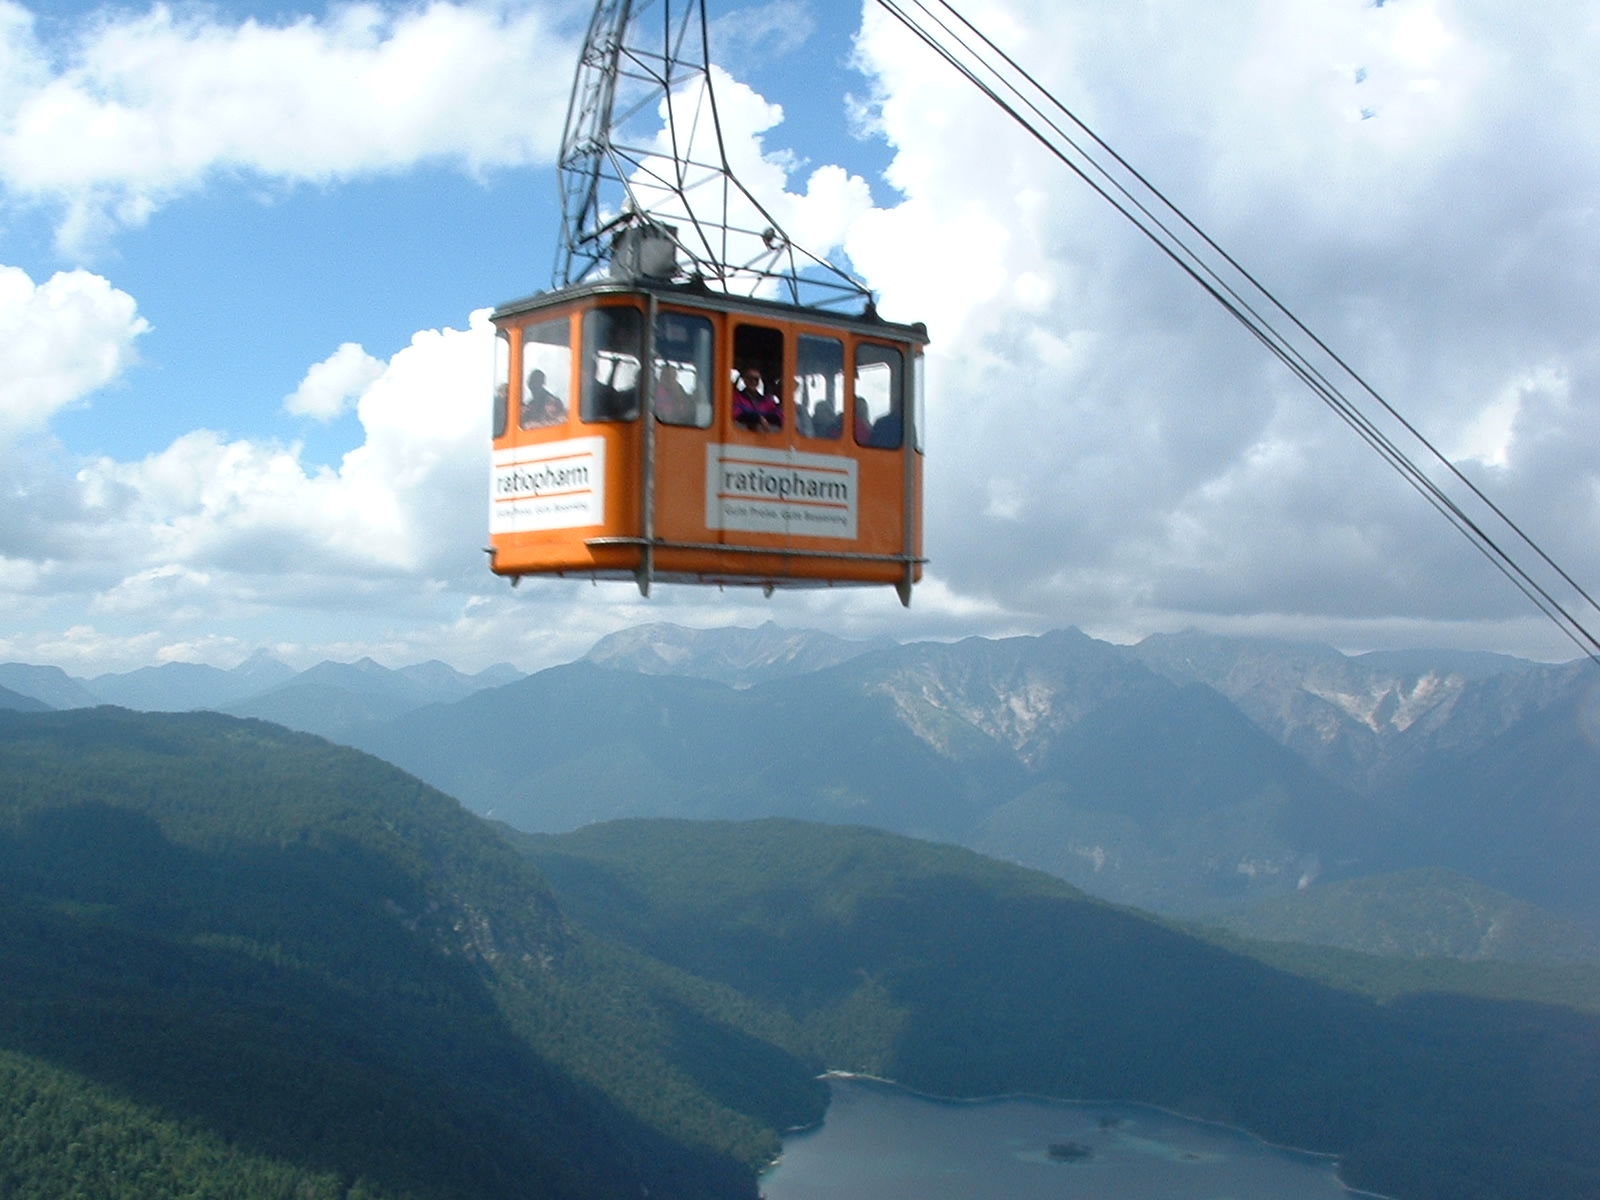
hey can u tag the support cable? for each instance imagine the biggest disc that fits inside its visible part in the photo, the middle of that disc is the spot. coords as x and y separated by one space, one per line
1242 296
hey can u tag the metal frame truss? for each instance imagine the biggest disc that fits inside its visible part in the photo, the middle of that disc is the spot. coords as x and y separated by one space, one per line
643 150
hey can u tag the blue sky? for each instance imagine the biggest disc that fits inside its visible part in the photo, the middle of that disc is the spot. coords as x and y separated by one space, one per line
281 274
198 204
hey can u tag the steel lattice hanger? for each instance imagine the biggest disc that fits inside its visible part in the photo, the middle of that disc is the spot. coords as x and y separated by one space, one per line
646 187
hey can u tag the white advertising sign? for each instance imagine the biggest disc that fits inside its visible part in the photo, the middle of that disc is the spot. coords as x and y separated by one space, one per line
755 490
555 485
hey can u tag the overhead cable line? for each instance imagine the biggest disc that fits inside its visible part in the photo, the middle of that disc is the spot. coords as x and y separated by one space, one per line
1022 97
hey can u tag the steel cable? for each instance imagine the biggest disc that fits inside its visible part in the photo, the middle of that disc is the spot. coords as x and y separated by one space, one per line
1123 195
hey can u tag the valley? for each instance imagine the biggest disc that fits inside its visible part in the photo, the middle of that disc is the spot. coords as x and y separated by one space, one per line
308 973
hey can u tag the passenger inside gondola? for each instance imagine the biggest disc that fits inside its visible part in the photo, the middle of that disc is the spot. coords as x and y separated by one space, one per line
683 370
611 338
879 387
540 406
818 386
547 373
674 405
757 367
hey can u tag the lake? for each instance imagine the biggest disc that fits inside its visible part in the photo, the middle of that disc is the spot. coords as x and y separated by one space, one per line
882 1142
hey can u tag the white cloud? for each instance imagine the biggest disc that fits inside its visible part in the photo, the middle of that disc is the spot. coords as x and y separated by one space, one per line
250 518
59 341
212 546
761 32
818 219
1107 444
148 106
331 385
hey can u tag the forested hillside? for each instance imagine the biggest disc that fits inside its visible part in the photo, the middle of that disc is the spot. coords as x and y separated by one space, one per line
265 966
1421 913
962 976
250 938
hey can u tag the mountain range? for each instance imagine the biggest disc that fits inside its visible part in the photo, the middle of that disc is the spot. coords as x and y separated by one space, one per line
735 656
1188 774
243 962
330 698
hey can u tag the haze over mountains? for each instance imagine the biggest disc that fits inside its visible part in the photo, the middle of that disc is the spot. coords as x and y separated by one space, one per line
1369 720
1190 774
329 699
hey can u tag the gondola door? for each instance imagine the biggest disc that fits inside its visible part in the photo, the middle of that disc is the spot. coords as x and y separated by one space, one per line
747 500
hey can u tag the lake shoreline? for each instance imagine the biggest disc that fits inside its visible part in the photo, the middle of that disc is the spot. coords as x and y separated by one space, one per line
1332 1159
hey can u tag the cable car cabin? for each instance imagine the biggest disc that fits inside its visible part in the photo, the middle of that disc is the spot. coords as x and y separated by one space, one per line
660 432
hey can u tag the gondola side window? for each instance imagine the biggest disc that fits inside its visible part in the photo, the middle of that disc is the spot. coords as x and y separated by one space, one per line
758 378
502 383
611 356
880 371
546 373
819 387
683 370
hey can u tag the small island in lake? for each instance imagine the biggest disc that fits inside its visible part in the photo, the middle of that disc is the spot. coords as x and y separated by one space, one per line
1070 1151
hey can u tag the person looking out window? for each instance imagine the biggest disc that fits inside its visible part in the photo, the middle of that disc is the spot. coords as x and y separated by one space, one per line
754 407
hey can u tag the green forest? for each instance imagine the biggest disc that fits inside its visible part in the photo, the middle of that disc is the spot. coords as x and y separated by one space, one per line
244 962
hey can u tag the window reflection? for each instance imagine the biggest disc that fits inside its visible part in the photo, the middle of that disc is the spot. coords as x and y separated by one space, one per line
919 403
819 387
546 373
611 338
502 383
878 395
683 370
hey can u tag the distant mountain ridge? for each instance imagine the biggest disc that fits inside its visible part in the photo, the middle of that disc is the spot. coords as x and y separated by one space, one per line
330 699
1186 774
1035 749
336 700
49 685
17 702
1367 719
735 655
183 687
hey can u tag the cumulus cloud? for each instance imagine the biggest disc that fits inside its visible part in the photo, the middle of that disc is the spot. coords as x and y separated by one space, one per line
333 384
140 107
407 503
1108 449
200 548
59 341
819 218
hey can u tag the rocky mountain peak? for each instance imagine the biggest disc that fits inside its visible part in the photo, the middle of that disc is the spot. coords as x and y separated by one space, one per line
1021 692
732 655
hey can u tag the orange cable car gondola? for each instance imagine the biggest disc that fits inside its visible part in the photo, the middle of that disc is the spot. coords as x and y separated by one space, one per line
699 407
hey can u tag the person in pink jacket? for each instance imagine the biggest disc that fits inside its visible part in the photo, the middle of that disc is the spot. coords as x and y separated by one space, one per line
754 407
